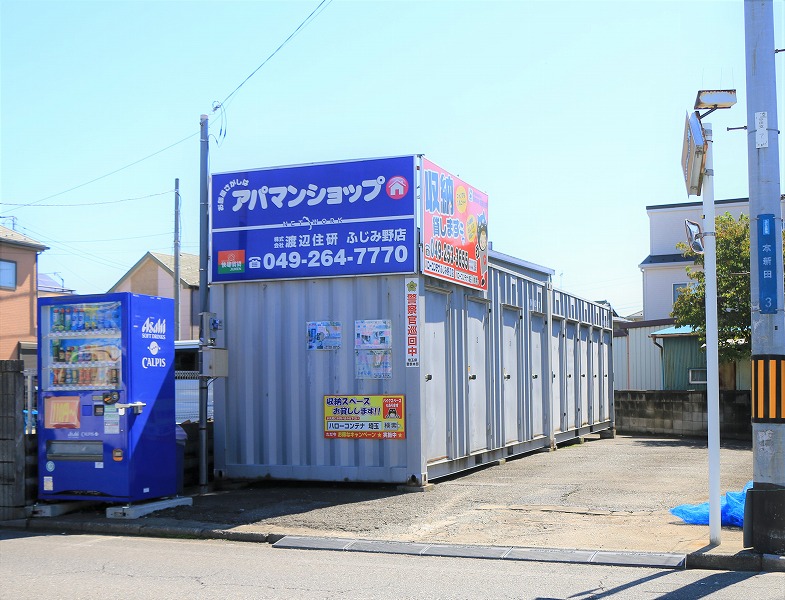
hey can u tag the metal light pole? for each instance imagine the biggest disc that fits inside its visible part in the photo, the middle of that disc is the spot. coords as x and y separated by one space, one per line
698 166
712 352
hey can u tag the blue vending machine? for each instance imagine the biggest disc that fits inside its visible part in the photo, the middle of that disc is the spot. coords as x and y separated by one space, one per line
106 399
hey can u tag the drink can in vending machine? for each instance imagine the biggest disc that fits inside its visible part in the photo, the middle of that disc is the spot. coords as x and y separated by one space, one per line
67 319
113 377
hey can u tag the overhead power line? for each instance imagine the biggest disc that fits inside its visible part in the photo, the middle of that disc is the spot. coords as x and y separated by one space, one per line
90 203
315 13
76 187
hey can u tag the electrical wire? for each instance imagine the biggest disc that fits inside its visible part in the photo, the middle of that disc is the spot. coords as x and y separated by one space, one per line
57 245
315 13
91 203
117 239
216 106
76 187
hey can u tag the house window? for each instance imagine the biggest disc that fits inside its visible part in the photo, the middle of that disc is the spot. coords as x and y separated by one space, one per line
698 376
7 274
678 288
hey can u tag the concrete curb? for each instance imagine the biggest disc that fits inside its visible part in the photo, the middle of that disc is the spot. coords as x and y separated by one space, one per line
741 561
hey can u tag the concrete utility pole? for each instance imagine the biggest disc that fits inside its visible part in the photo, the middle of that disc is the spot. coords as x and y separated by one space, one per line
204 301
764 517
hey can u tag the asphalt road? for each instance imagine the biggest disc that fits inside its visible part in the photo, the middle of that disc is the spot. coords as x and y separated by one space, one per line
604 494
90 567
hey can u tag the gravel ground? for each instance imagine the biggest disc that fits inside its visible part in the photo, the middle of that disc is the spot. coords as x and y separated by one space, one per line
603 494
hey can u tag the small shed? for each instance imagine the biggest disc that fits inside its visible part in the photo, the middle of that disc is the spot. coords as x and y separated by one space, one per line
684 362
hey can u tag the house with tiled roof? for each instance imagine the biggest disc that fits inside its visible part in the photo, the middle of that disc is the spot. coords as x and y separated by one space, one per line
154 275
18 291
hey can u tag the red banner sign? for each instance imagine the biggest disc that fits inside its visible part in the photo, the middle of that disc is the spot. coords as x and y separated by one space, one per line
455 228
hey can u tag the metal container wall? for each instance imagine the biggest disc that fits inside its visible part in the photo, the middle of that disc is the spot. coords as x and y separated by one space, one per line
505 372
584 331
270 409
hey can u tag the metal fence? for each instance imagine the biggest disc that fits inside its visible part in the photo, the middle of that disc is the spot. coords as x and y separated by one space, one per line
187 397
31 400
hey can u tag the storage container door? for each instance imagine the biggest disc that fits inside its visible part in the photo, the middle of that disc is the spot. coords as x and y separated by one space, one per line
476 347
510 363
606 370
570 367
558 413
435 348
583 366
538 333
596 395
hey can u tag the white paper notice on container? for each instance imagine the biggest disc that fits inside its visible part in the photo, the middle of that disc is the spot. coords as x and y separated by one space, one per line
324 335
372 334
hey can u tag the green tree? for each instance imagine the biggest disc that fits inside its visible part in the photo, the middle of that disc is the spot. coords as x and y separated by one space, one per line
733 290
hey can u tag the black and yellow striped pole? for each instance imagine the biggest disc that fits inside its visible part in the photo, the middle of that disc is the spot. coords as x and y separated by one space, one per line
764 510
768 389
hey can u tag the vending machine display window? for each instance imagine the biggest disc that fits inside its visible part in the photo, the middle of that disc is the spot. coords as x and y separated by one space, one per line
83 348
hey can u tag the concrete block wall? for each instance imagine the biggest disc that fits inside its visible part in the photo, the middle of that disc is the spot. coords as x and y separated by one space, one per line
12 440
681 413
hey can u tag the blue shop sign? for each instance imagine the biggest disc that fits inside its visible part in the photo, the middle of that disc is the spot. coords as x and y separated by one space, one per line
319 220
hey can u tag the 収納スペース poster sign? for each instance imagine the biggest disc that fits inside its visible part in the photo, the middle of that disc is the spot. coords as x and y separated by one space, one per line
455 228
319 220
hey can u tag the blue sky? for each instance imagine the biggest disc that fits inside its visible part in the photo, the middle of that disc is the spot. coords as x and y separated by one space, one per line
570 115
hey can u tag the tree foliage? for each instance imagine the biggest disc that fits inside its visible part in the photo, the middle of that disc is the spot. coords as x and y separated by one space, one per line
733 290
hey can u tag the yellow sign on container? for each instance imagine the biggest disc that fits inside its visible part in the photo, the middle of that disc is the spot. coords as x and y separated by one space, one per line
365 417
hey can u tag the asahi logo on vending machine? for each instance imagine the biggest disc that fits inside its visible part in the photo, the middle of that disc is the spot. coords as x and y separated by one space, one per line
154 329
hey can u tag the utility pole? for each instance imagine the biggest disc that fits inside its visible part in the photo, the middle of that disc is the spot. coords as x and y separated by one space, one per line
204 300
176 259
764 516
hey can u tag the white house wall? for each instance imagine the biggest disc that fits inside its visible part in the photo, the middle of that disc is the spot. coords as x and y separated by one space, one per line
658 282
666 229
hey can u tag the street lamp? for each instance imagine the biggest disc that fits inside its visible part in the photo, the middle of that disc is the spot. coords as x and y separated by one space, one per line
698 166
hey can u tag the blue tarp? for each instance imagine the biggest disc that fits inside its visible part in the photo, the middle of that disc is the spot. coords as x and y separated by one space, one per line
731 509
